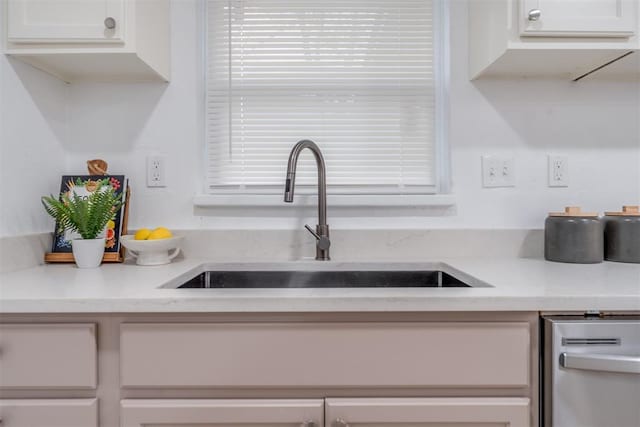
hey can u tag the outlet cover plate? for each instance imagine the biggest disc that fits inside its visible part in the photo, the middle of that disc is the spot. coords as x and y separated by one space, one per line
558 170
156 174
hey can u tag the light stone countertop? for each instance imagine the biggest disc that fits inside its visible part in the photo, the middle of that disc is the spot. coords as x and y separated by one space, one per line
517 284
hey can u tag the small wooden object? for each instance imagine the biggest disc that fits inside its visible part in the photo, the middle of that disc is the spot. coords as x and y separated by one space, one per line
574 211
626 211
97 167
67 257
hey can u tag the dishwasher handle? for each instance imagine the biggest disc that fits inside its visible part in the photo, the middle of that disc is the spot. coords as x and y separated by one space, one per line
601 362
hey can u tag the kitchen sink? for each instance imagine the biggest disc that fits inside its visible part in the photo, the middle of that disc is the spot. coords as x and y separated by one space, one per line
325 279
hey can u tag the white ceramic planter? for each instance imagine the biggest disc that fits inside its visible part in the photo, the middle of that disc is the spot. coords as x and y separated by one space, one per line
88 252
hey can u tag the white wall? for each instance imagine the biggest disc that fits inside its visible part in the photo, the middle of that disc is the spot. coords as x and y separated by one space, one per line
594 123
32 124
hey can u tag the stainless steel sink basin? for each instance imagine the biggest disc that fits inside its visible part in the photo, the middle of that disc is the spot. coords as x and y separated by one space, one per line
324 279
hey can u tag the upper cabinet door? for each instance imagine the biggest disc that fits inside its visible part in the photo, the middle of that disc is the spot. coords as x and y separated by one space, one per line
578 18
65 21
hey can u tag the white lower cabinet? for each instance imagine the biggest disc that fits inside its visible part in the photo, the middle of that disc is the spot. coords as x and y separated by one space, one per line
197 372
339 412
452 356
222 412
48 412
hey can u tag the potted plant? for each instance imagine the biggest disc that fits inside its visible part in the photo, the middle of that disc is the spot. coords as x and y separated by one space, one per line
86 216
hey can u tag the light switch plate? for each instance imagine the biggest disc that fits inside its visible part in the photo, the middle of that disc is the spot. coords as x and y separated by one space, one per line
498 171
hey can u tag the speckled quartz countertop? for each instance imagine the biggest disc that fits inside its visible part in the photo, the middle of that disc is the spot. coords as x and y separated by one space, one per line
516 284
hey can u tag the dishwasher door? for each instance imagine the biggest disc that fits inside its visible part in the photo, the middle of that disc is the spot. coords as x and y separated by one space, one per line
591 371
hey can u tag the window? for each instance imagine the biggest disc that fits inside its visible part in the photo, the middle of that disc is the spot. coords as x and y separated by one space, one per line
359 77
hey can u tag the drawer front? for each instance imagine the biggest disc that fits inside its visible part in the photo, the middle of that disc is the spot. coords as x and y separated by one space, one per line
412 412
48 356
456 354
222 412
49 412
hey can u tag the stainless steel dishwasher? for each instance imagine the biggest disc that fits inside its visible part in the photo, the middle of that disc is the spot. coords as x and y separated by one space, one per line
591 371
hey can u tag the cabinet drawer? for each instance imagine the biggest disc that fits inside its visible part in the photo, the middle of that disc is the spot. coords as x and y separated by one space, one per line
222 412
47 356
456 354
49 412
411 412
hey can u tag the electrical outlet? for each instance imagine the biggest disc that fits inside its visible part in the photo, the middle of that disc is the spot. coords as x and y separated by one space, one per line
498 171
558 171
156 171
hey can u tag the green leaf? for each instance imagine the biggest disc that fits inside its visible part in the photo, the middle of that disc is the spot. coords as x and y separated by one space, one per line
86 216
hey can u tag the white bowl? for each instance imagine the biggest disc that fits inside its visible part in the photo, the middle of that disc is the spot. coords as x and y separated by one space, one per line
152 252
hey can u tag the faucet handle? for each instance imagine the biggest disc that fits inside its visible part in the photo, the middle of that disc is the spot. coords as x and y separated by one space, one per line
310 230
323 242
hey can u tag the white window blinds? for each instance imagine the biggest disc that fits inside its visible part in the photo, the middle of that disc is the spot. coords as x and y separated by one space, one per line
355 76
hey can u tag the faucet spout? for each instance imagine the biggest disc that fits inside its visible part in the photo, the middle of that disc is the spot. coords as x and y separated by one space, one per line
322 229
288 187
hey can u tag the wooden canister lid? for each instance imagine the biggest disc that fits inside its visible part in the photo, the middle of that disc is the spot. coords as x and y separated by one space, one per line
574 211
626 211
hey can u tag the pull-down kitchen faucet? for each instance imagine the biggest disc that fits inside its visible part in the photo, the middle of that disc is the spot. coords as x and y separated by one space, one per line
322 229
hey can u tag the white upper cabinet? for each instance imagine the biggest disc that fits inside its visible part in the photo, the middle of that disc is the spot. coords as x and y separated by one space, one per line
66 21
91 40
577 18
567 39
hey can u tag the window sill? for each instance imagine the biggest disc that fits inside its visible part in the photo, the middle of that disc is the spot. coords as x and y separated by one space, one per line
336 200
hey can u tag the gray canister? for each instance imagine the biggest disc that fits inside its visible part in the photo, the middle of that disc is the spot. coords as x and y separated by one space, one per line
622 235
573 236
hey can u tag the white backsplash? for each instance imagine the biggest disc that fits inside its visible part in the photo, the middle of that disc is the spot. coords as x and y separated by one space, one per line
48 128
22 252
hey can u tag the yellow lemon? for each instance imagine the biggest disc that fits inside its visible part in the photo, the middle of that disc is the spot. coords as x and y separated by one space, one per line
111 225
142 234
160 233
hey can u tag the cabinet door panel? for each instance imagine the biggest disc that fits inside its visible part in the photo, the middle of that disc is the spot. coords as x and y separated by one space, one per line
66 21
428 412
221 413
59 355
455 354
49 412
579 18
